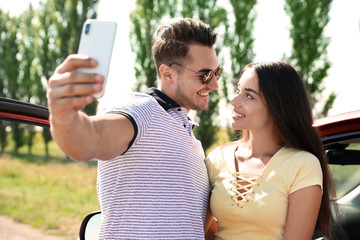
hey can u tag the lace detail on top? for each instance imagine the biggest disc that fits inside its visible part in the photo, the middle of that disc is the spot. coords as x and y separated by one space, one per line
242 187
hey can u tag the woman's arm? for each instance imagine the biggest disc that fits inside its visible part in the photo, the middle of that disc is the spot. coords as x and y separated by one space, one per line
303 209
210 226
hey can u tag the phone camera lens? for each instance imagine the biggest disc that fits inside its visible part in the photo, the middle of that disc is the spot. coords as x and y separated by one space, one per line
87 28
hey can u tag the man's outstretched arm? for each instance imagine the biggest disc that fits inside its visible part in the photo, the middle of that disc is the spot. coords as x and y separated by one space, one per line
82 137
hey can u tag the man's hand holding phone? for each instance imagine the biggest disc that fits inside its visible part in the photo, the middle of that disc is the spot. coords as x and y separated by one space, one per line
70 90
82 77
74 84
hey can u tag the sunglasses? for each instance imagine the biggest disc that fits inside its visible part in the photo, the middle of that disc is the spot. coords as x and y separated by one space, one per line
205 78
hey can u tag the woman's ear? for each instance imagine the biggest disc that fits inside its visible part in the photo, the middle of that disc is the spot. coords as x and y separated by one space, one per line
167 73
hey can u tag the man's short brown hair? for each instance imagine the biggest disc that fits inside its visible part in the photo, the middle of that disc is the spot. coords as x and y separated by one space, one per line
173 39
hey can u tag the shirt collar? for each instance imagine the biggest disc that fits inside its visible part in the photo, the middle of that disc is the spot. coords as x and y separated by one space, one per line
162 98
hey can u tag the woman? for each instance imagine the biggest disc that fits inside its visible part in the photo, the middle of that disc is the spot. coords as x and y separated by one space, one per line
273 183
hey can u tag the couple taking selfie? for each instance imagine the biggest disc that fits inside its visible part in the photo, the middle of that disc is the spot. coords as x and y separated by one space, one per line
154 180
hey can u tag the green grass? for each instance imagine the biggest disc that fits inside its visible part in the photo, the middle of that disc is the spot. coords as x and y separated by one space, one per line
37 150
52 194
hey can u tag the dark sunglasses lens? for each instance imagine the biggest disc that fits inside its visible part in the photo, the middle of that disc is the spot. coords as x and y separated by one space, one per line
218 73
208 76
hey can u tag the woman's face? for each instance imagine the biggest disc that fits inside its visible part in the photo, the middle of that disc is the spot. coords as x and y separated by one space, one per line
250 109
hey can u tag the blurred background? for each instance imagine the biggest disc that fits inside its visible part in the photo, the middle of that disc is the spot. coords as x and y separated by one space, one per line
320 38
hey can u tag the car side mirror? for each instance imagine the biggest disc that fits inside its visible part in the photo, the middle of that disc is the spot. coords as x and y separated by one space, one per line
90 226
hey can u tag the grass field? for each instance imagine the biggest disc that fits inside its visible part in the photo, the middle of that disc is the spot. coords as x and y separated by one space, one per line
49 195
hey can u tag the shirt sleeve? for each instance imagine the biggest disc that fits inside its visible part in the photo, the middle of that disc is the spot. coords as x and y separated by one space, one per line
212 162
138 108
307 172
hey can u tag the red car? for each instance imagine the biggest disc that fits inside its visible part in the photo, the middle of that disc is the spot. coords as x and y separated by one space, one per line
340 135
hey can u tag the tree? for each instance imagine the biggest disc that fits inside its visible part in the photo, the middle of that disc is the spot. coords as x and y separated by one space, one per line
47 54
210 13
11 63
309 47
3 19
31 47
3 133
68 19
58 35
3 137
29 81
145 19
239 39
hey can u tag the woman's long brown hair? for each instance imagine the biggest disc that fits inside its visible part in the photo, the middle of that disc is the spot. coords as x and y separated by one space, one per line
290 108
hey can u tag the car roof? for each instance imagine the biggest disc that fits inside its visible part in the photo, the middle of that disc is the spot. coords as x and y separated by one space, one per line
19 111
337 124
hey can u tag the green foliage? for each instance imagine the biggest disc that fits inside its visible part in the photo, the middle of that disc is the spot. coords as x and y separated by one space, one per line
11 66
37 151
309 47
3 137
68 17
239 38
47 138
207 129
3 133
29 81
206 10
216 17
145 19
59 30
31 47
18 136
3 19
58 35
11 61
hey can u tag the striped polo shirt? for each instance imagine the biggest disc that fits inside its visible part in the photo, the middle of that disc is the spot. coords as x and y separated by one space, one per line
159 188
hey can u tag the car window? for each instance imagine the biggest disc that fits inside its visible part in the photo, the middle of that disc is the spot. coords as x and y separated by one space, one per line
347 176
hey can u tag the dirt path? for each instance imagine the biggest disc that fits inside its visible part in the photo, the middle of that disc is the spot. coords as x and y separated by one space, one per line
11 230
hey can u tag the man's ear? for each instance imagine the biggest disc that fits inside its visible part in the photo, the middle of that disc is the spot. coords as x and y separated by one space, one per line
167 73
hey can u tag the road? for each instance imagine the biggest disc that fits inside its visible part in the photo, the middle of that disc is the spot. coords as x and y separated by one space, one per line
11 230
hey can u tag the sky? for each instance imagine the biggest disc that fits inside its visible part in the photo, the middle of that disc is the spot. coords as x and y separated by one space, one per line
272 41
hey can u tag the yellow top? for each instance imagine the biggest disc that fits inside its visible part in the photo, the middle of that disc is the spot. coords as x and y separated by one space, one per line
255 208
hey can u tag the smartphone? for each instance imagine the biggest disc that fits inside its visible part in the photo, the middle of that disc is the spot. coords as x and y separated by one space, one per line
97 41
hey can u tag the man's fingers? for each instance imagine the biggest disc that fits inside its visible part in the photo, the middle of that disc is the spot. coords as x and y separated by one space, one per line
63 104
76 90
80 89
73 78
69 90
74 61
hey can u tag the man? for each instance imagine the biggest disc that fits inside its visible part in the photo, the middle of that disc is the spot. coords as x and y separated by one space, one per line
152 180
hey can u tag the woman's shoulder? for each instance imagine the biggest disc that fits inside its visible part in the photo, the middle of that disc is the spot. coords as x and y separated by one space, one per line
220 159
224 149
299 157
297 153
221 154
